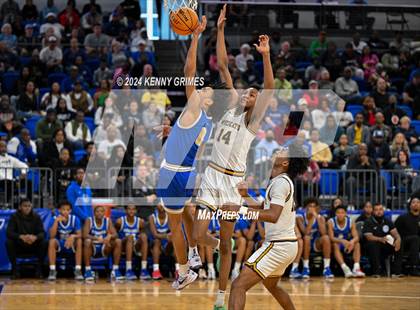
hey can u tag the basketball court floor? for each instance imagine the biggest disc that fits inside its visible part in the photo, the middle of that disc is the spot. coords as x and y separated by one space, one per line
317 293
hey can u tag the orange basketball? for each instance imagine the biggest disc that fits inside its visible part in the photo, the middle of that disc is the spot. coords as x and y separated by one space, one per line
183 21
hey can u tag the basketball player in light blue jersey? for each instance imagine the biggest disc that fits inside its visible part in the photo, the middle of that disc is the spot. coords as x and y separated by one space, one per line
160 238
315 238
344 237
130 230
65 239
100 240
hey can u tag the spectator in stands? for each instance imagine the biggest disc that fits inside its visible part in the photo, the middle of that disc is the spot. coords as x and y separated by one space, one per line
325 81
117 23
273 116
51 149
7 164
331 60
77 132
90 18
131 9
27 100
152 116
141 186
38 69
376 43
347 88
102 93
378 149
52 55
409 229
369 111
23 148
318 46
28 42
398 143
350 58
102 73
105 147
100 133
404 174
8 37
132 116
342 152
380 125
25 236
321 153
319 115
344 238
50 99
96 43
251 76
313 72
142 142
88 6
79 195
313 228
243 57
139 33
342 117
9 11
411 94
156 96
380 94
119 158
307 184
47 126
63 167
80 99
109 108
399 42
48 8
95 169
312 95
366 212
51 22
69 82
7 112
116 57
29 11
369 62
265 148
72 52
357 44
69 18
410 133
358 133
393 113
331 132
391 60
64 114
382 240
8 59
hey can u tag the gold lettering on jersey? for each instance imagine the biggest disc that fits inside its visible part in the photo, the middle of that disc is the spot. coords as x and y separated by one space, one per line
201 136
231 124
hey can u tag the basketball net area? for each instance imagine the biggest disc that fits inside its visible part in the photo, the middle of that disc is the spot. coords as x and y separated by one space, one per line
174 5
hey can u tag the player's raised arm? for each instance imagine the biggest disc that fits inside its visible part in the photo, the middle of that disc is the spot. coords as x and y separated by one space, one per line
263 101
222 58
190 68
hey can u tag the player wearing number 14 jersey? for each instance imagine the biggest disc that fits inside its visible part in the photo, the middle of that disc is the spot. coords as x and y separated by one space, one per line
233 137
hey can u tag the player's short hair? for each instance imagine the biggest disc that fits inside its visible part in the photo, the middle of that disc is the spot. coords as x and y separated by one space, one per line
24 200
340 207
64 203
377 204
310 200
298 161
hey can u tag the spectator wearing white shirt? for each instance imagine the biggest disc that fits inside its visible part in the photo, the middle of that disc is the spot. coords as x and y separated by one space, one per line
106 146
242 59
100 134
52 55
77 132
358 44
7 164
50 99
319 115
51 22
343 118
108 108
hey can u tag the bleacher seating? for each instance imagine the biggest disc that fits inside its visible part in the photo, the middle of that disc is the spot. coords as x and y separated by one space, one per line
9 80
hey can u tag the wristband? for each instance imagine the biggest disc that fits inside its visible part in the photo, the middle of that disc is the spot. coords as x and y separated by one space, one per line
243 210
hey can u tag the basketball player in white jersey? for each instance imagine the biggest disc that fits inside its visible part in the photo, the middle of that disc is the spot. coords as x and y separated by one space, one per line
233 137
280 247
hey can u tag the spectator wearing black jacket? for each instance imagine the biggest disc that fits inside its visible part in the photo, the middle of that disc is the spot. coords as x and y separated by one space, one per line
25 236
408 226
410 133
379 150
51 149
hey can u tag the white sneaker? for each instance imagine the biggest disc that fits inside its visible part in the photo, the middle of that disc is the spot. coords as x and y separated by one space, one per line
347 272
358 273
195 262
202 274
211 274
235 274
184 281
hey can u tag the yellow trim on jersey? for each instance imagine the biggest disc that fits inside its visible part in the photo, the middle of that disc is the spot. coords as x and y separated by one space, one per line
225 170
253 265
212 208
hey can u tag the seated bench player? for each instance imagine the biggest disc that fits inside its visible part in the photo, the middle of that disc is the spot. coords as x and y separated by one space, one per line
255 235
100 240
315 238
294 272
344 238
65 239
160 238
131 232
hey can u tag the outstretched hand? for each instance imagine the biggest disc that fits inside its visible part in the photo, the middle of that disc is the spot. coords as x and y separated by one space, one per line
263 46
162 131
201 26
222 18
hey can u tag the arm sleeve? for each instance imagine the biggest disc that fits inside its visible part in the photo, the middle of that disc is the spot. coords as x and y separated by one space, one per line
279 192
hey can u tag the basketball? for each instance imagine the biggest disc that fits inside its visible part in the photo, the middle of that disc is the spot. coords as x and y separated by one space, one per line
183 21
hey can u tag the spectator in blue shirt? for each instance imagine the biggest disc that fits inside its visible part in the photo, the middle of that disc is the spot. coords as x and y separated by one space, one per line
7 36
23 148
68 83
80 196
143 56
265 147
